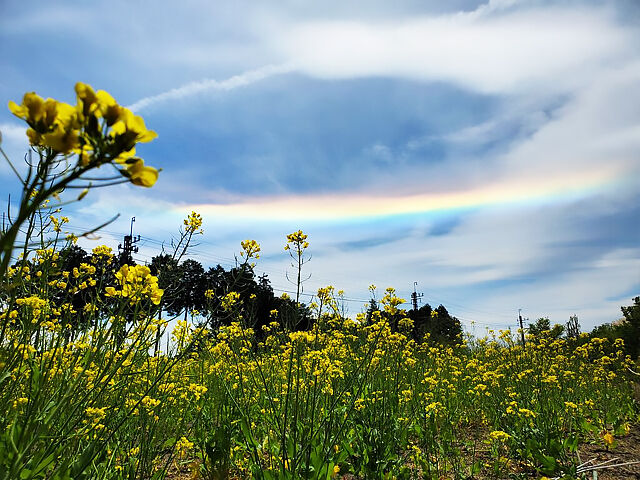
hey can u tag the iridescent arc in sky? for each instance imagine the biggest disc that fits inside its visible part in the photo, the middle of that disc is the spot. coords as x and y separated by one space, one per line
327 207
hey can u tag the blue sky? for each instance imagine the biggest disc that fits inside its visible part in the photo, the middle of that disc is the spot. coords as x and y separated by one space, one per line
489 152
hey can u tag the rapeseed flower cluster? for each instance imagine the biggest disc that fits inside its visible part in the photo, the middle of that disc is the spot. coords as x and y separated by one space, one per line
97 129
297 241
136 283
418 388
193 223
250 249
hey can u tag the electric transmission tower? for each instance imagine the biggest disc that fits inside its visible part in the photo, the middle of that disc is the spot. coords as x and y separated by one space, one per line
128 246
415 296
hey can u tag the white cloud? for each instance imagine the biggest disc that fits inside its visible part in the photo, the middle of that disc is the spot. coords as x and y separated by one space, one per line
502 47
594 135
593 292
593 132
14 144
519 50
13 133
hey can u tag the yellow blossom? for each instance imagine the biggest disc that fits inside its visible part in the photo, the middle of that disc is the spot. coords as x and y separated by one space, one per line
499 435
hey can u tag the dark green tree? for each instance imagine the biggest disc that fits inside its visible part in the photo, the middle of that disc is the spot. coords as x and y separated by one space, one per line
446 327
190 286
630 328
373 307
438 323
542 328
573 327
166 268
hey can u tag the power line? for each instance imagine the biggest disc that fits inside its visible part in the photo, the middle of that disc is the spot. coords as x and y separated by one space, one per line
231 262
346 299
443 301
485 324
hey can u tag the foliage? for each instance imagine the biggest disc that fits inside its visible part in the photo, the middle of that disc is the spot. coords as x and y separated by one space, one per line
573 327
627 329
631 327
435 323
542 327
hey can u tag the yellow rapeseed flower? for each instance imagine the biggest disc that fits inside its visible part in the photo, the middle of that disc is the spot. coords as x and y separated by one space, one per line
229 300
140 174
298 240
52 124
499 436
183 447
250 249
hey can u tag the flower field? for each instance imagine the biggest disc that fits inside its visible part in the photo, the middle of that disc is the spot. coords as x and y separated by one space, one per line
88 391
346 397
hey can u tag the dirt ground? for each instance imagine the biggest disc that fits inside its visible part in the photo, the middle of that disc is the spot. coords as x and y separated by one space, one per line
627 449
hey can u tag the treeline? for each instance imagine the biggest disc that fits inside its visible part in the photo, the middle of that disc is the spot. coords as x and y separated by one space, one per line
189 289
81 279
436 323
626 328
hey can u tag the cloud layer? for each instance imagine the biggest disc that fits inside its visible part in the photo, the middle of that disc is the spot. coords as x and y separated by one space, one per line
514 51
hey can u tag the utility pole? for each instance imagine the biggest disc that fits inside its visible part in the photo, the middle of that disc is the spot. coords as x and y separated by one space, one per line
415 296
129 246
521 326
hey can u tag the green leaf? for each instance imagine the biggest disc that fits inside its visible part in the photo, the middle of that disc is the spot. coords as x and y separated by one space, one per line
44 464
169 443
571 443
246 431
549 464
4 375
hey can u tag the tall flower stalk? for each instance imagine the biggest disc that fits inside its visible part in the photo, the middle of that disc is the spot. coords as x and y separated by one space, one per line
69 142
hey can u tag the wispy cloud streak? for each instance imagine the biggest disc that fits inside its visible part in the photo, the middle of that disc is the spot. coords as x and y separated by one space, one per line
231 83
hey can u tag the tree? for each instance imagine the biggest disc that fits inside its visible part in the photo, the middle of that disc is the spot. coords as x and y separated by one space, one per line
71 259
446 328
627 328
86 277
166 268
373 307
438 323
422 321
573 327
630 328
189 279
542 327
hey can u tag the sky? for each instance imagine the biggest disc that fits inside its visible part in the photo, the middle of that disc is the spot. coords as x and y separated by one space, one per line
486 154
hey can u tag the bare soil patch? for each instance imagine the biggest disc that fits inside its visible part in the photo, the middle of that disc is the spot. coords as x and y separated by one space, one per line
627 449
618 461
